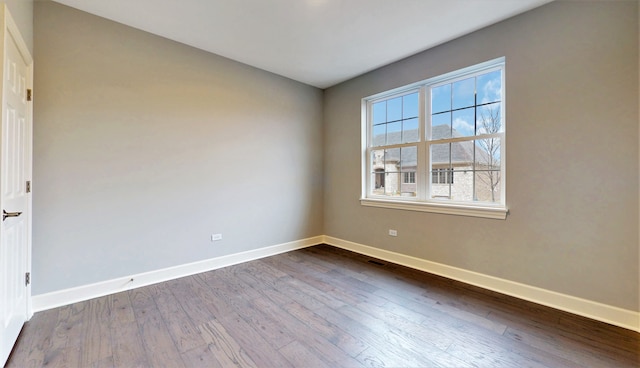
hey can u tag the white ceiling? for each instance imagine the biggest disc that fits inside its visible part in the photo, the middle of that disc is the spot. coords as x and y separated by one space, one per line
317 42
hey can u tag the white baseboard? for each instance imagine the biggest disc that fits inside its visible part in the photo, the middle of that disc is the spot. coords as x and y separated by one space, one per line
85 292
606 313
587 308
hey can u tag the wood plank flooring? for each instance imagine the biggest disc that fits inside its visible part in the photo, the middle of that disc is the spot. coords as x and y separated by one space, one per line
317 307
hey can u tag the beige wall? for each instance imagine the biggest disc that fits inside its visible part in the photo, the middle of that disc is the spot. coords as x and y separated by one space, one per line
144 147
572 155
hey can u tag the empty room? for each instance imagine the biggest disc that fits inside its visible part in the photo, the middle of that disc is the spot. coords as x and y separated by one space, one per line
320 183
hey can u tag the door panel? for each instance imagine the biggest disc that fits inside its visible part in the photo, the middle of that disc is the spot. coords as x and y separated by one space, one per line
15 167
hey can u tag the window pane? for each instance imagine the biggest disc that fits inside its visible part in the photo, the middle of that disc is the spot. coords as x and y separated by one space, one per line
408 187
463 93
409 156
489 87
410 106
463 123
377 183
377 160
377 175
441 191
441 99
488 119
439 188
410 131
392 171
392 183
394 109
394 133
440 155
462 187
462 153
392 159
441 125
379 112
379 135
487 154
487 186
461 178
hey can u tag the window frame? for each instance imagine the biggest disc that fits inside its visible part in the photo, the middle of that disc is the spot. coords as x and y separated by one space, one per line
423 175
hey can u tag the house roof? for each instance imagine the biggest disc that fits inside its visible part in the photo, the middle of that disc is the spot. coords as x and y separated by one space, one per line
461 152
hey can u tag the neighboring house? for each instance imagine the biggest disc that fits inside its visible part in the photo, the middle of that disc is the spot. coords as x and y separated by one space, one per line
395 169
460 171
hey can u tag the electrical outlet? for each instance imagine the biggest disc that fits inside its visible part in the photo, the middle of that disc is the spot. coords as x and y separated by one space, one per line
393 232
216 237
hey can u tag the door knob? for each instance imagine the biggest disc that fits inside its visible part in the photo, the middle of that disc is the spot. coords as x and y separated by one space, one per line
6 214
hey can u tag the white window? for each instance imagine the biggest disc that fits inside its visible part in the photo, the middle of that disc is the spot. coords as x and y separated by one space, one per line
442 176
438 145
410 177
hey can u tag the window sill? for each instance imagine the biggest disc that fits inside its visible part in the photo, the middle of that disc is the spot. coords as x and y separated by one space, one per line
490 212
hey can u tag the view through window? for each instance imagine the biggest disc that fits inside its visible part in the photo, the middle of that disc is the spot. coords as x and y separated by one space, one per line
449 129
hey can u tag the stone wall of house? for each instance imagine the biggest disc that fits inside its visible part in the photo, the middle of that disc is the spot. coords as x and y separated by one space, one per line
386 180
462 188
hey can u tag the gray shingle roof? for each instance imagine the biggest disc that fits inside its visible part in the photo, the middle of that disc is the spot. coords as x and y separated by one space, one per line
461 152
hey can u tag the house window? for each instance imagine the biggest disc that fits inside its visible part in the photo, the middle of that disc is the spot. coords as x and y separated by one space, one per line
410 177
442 176
450 126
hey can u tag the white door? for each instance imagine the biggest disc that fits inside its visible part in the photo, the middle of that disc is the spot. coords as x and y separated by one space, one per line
15 199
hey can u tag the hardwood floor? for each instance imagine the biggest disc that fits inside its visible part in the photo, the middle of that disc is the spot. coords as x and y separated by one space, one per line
317 307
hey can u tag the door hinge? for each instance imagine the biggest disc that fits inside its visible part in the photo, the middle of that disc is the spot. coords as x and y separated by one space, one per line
28 188
27 278
29 94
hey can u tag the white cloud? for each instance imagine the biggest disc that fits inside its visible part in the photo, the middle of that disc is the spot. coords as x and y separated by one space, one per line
463 127
492 91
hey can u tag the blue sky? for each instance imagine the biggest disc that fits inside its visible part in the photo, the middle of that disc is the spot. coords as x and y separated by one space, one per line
399 114
453 105
459 96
